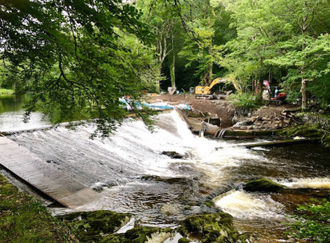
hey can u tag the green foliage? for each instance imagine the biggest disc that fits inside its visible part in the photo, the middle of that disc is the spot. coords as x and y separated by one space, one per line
243 100
281 40
77 57
313 223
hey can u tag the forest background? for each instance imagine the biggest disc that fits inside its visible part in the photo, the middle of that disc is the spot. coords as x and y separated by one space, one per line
81 56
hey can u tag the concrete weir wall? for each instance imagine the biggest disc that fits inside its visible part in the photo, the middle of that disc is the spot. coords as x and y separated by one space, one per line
42 176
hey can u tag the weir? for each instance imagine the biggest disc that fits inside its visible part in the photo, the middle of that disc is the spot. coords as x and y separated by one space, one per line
52 182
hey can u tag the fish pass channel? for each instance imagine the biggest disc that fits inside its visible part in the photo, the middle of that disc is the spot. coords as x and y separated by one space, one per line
132 175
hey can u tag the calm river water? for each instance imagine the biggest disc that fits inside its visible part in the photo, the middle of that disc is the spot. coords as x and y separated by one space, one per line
119 165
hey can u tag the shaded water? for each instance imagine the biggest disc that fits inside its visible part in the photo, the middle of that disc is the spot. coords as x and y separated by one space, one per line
175 188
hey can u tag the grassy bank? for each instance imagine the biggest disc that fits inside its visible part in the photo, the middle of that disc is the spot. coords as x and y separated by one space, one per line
23 219
4 92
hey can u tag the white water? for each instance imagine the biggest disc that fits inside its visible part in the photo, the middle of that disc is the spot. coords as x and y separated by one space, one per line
307 183
13 121
117 164
243 205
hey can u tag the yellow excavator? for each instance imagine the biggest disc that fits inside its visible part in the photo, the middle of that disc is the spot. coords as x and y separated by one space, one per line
208 92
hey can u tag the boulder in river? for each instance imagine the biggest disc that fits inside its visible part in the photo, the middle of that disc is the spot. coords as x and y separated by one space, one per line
173 154
262 185
91 226
213 227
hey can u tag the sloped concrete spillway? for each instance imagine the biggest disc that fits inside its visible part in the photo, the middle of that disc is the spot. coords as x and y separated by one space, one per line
134 176
54 183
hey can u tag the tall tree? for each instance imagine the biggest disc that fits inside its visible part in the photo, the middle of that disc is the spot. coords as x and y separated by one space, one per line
160 16
282 31
70 54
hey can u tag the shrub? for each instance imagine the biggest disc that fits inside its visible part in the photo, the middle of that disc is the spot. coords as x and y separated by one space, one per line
313 223
244 100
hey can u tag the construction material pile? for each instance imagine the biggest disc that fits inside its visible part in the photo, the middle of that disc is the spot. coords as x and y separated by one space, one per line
270 119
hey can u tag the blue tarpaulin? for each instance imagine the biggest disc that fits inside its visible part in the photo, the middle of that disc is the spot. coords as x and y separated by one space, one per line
157 106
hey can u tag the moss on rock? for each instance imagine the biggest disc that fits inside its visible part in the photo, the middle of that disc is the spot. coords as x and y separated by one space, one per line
138 234
23 219
90 226
262 185
216 227
8 189
306 130
183 240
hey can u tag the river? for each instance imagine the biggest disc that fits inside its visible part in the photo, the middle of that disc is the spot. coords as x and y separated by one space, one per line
133 175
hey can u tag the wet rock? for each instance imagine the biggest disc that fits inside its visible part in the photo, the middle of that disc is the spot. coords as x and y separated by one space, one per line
262 185
216 227
92 226
171 209
183 240
140 234
173 154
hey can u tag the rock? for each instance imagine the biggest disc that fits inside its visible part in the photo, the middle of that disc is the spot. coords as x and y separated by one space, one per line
287 121
262 185
183 240
90 226
171 209
173 154
215 227
265 119
140 234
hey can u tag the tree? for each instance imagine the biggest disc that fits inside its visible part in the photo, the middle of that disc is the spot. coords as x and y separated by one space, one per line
73 56
160 16
199 19
280 33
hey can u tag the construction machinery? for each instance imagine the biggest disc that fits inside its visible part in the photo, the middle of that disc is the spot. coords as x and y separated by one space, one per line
209 92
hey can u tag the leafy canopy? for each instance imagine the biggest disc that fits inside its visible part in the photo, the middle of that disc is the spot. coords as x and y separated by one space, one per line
77 56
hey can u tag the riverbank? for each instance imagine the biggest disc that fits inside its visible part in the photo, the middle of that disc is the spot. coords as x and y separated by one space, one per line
284 119
24 219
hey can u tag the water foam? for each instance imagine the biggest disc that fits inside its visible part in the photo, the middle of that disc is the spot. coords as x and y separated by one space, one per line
308 183
244 205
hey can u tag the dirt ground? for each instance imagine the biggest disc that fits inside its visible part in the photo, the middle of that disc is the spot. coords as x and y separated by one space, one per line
216 108
268 114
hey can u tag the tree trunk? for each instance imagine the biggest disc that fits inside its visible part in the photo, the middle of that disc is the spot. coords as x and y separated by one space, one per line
173 63
211 62
303 94
303 88
260 85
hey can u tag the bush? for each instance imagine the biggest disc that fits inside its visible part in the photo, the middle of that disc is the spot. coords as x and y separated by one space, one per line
243 100
313 223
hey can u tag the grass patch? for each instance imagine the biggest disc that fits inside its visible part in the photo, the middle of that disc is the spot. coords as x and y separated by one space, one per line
24 219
